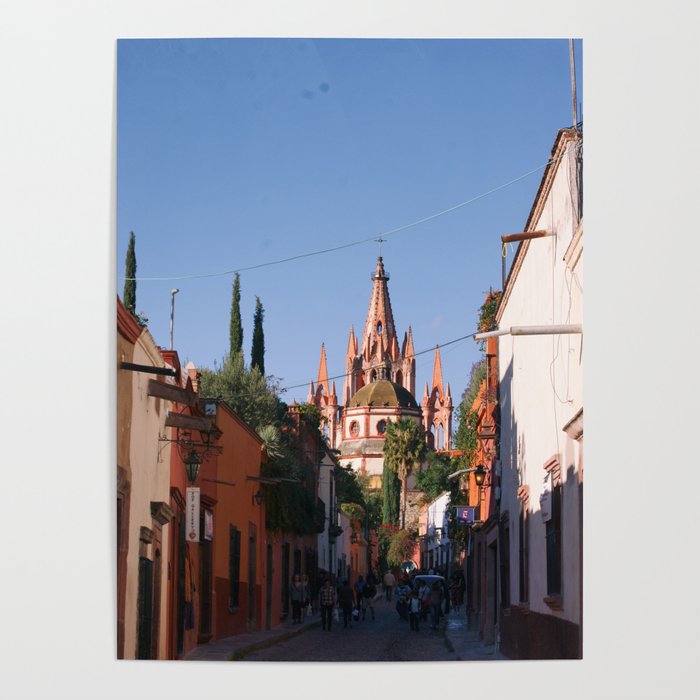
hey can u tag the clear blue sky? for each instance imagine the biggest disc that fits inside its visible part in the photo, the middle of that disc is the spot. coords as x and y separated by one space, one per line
237 152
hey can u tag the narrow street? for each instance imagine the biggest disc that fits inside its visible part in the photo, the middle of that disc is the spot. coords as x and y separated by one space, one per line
387 638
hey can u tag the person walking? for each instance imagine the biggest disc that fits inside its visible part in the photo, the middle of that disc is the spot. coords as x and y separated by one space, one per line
368 593
298 595
327 601
346 602
359 590
435 602
389 583
414 610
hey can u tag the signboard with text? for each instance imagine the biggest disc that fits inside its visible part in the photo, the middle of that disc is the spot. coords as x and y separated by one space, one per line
465 515
192 512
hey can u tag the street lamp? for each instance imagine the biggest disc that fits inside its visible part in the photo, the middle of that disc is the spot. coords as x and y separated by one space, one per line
192 465
258 497
173 292
480 475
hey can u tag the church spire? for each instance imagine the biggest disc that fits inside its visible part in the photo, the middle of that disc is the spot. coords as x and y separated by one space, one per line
437 373
323 372
379 326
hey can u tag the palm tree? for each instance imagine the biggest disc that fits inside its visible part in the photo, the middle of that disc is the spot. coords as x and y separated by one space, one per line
404 449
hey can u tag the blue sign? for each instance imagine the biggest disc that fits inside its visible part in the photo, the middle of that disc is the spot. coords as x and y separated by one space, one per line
465 516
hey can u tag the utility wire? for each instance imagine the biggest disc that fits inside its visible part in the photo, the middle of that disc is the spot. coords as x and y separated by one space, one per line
281 390
390 232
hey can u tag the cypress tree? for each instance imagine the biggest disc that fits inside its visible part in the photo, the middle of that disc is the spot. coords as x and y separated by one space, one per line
130 284
236 333
391 496
257 355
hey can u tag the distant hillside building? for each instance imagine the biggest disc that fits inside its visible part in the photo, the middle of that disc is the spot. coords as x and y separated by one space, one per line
379 386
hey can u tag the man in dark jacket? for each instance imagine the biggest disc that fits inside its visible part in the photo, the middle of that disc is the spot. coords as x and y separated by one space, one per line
346 600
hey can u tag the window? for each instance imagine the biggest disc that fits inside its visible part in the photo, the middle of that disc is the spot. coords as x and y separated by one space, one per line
523 556
354 428
553 544
234 566
379 328
381 427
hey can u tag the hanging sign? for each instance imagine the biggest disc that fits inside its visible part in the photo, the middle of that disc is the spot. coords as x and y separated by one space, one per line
192 526
208 525
465 516
546 498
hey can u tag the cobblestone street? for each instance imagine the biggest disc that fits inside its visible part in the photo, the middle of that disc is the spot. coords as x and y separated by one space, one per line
386 639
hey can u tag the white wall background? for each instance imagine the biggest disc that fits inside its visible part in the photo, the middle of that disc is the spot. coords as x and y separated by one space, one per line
57 145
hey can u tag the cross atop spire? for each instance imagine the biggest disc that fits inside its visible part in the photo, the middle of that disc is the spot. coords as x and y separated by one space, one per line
380 240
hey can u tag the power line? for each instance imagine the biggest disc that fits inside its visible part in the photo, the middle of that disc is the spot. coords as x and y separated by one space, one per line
281 390
362 241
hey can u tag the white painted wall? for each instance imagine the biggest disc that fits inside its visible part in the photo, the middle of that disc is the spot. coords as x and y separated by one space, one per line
541 390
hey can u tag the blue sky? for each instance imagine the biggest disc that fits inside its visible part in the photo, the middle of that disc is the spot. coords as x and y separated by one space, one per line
237 152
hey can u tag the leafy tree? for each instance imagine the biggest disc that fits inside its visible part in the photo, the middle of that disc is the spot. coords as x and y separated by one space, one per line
252 396
433 479
391 496
236 332
373 500
400 548
487 314
130 274
385 534
257 358
404 449
347 487
476 376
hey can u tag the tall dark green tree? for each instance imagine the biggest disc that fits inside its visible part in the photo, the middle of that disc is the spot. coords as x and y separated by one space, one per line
130 273
391 496
257 355
236 332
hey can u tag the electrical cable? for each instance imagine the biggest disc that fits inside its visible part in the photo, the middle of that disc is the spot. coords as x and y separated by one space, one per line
284 389
345 245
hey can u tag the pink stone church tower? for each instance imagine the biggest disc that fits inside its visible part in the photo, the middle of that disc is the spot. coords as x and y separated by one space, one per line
376 356
437 410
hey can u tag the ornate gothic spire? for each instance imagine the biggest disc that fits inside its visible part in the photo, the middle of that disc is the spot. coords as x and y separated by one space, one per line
437 373
322 380
379 326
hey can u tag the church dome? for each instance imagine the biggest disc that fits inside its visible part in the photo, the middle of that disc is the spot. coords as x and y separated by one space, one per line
383 393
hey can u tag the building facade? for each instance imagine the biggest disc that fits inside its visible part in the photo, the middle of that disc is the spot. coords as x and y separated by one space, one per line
541 426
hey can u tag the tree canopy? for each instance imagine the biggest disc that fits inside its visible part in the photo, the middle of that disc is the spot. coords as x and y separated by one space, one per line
432 480
252 396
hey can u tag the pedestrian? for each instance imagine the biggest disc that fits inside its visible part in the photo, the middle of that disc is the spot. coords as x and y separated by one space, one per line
424 595
327 601
346 602
370 590
435 602
389 583
359 590
414 610
298 595
402 607
307 601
